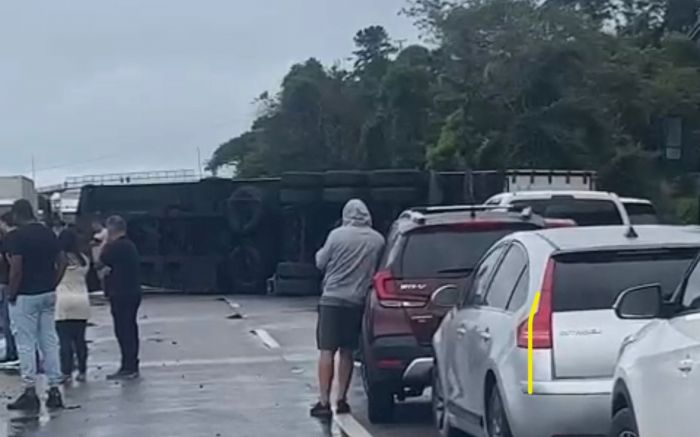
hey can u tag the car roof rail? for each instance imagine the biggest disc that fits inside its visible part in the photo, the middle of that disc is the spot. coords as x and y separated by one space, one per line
418 214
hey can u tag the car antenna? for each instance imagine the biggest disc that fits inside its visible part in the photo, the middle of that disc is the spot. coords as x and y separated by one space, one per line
631 232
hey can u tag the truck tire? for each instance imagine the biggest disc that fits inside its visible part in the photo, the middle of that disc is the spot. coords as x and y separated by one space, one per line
246 270
342 194
395 195
296 196
244 210
296 287
298 180
344 178
292 270
395 178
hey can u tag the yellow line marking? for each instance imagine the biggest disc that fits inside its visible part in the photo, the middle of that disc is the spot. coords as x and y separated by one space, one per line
533 311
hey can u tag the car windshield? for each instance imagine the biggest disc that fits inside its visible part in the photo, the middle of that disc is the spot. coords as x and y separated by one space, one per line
585 212
447 252
593 280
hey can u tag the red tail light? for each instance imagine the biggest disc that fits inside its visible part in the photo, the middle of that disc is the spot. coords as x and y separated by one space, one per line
542 321
559 223
386 288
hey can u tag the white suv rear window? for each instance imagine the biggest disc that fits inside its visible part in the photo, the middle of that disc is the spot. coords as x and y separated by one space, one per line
585 212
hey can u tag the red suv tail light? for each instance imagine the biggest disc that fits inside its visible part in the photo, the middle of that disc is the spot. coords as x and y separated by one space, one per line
386 287
542 320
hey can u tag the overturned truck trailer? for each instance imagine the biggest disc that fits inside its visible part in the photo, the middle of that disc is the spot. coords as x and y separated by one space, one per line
230 236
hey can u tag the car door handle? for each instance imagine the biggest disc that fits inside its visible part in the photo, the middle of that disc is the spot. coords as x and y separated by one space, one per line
485 334
686 366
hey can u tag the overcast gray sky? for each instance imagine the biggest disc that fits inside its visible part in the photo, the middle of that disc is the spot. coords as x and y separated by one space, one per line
89 87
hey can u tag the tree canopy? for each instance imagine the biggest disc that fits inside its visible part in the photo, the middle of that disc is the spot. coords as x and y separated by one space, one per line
572 84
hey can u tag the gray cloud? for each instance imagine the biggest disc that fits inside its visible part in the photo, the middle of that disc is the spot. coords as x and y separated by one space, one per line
106 86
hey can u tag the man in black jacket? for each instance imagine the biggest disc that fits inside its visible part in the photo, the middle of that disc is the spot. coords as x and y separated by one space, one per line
122 286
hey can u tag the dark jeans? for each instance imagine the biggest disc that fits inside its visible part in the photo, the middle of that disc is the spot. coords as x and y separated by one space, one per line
124 312
71 335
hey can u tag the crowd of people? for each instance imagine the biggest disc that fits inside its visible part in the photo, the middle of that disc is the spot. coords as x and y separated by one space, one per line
45 316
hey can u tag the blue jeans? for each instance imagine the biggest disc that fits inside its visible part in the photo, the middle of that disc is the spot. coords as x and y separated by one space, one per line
10 347
32 319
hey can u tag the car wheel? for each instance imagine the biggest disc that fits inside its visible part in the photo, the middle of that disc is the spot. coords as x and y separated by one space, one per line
380 404
439 404
496 420
624 424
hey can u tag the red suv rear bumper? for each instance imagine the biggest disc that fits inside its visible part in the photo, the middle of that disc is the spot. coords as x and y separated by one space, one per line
398 362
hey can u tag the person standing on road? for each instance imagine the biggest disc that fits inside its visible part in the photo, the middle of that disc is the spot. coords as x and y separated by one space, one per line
122 284
37 266
10 346
72 314
348 259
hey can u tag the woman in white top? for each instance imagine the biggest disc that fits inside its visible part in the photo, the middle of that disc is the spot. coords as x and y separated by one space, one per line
72 314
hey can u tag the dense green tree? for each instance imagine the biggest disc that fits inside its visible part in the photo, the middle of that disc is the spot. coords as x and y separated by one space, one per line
502 84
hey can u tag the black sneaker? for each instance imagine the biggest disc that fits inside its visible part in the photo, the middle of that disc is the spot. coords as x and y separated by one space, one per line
343 407
321 411
55 400
123 375
28 401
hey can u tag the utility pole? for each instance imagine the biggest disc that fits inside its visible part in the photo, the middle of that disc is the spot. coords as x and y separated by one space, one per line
33 170
199 162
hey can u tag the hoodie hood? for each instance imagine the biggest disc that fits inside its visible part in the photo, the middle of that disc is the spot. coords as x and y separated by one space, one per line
356 213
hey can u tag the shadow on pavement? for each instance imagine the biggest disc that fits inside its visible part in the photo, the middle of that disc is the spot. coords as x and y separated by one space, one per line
20 425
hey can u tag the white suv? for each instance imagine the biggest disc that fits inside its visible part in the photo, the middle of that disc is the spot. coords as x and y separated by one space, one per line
657 378
586 208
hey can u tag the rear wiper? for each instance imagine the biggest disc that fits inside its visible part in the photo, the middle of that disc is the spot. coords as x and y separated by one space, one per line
457 270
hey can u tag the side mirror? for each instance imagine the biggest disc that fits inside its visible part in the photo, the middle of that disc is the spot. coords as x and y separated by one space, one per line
643 302
446 296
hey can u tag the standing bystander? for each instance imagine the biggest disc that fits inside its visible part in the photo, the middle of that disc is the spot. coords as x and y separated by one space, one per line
122 284
10 347
348 260
37 266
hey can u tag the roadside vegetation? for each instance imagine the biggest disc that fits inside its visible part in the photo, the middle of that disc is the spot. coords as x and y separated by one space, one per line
565 84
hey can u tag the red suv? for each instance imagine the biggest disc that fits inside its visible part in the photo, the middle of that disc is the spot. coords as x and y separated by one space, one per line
427 248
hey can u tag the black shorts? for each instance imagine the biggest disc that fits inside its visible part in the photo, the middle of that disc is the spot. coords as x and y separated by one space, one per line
338 327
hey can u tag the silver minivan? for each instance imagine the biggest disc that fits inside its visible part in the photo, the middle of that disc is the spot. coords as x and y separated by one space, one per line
481 371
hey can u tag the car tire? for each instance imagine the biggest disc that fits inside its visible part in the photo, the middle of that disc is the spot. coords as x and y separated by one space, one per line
438 403
624 424
380 404
496 420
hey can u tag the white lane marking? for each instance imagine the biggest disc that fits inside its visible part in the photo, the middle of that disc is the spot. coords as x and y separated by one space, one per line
266 338
233 304
350 427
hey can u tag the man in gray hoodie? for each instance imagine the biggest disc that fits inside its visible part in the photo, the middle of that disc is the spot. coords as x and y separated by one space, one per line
348 259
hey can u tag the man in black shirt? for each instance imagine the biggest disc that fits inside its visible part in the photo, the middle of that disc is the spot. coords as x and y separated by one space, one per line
37 266
122 286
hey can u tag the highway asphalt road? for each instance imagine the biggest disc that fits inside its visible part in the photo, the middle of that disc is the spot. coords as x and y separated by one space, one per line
206 372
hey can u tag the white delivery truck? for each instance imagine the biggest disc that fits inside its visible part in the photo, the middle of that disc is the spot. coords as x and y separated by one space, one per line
13 188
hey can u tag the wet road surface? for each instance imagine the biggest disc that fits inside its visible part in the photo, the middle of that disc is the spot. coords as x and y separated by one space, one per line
204 373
